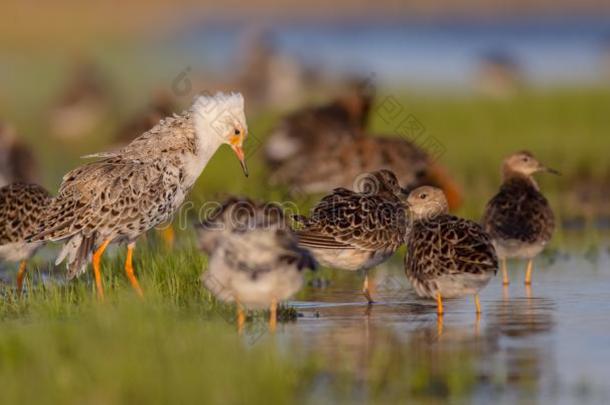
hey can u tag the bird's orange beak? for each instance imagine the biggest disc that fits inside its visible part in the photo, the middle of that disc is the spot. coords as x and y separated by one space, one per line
439 176
236 144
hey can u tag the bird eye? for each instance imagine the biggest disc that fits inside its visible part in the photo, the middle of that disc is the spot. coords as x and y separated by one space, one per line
237 132
423 196
525 159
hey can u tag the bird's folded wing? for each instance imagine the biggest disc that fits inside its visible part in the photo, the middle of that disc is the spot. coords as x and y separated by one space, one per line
316 240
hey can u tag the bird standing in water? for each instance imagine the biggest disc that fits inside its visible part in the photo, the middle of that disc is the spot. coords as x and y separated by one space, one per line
519 218
447 256
254 258
357 230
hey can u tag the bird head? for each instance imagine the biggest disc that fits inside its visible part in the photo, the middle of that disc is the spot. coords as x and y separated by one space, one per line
427 202
378 182
524 163
223 115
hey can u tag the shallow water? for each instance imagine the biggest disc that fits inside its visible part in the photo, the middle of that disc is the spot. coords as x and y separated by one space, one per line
550 342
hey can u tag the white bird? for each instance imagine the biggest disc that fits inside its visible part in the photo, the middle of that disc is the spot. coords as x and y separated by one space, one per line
254 257
125 193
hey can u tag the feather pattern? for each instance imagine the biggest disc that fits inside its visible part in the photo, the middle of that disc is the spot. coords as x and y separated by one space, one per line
253 253
362 225
519 218
22 209
519 212
448 247
446 254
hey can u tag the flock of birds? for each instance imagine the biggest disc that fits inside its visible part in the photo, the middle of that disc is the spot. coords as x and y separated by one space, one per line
381 193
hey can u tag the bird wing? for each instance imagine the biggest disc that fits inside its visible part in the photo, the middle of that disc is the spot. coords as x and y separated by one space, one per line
101 193
22 208
170 135
260 250
449 245
467 247
349 220
519 212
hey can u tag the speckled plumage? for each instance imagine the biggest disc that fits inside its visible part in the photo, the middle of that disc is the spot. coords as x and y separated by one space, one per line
17 161
446 255
22 208
254 257
338 165
519 218
345 155
127 192
357 230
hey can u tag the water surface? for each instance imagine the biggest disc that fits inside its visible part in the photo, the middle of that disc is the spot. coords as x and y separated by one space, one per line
550 342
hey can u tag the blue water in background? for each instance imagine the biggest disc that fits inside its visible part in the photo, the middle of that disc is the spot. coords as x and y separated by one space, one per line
445 53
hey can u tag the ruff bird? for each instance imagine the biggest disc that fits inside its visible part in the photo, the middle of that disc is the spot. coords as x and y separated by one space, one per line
321 126
337 165
447 256
254 258
125 193
519 218
357 230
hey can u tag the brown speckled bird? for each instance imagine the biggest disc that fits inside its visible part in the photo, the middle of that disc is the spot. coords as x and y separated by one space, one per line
125 193
337 165
22 208
519 218
161 105
17 161
447 256
254 258
357 230
320 126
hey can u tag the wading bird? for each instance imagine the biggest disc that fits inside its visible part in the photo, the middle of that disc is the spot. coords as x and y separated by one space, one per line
447 256
357 230
254 258
127 192
519 218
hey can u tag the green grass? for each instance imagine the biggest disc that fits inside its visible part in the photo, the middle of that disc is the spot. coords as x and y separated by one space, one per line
59 344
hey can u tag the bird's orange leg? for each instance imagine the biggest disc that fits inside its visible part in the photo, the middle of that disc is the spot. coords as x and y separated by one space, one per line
129 270
21 275
505 280
97 256
477 303
366 288
241 317
528 273
439 304
273 316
